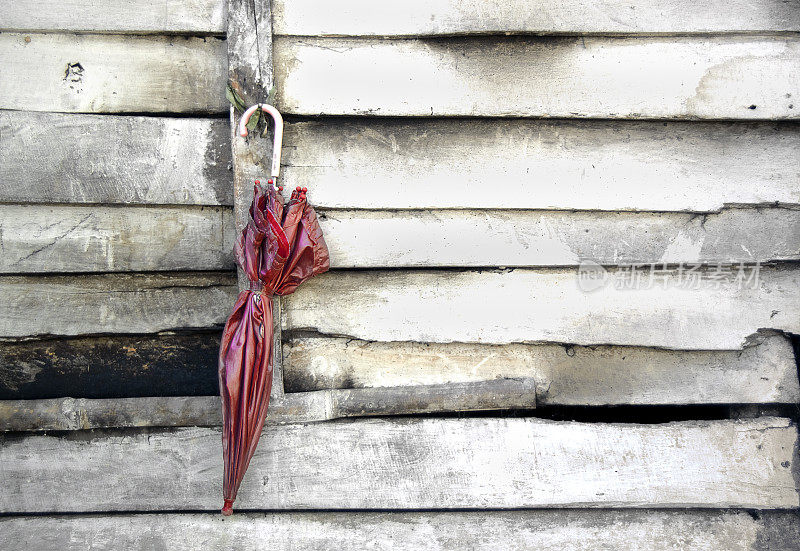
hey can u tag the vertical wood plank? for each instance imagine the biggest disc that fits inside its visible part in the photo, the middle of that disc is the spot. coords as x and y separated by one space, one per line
250 75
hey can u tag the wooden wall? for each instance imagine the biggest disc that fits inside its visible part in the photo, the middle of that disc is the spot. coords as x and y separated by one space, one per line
467 159
116 205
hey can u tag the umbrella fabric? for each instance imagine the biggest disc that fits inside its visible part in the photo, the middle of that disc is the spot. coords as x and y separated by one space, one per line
281 246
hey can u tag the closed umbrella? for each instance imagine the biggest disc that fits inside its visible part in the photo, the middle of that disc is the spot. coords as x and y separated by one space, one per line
280 247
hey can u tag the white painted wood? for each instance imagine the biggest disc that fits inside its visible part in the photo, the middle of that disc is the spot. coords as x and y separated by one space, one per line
677 311
591 165
113 74
41 238
432 17
545 530
415 463
684 77
72 158
362 239
565 375
141 16
141 303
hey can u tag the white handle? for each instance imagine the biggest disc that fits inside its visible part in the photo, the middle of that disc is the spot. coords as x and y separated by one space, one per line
277 142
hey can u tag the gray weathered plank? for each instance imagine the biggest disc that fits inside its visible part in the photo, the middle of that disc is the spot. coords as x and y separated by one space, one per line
46 238
298 407
250 74
565 375
118 16
545 530
91 73
653 77
116 303
680 308
413 464
447 17
73 158
591 165
363 239
43 238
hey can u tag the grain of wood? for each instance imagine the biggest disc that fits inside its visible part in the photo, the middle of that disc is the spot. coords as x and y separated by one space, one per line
418 463
603 77
363 239
591 530
73 158
117 16
42 239
447 17
115 303
680 309
94 73
565 375
520 164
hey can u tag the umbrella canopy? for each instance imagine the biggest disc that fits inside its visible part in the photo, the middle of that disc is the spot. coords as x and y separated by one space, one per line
280 247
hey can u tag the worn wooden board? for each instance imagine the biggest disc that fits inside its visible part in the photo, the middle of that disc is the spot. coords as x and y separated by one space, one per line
113 303
437 17
299 407
46 238
413 463
681 308
73 158
438 163
250 75
605 77
91 73
117 16
565 375
591 530
508 164
112 366
363 239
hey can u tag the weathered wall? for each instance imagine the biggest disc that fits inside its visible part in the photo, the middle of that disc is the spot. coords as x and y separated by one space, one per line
466 160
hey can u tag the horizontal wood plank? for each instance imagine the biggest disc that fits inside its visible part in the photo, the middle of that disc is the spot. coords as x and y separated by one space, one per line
565 375
413 464
91 73
113 366
40 239
447 17
535 164
129 303
299 407
362 239
73 158
618 78
591 530
678 308
120 16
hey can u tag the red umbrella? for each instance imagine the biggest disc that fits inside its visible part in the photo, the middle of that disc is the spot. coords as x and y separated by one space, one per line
280 247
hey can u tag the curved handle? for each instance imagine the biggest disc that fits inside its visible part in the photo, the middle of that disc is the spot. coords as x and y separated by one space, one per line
278 140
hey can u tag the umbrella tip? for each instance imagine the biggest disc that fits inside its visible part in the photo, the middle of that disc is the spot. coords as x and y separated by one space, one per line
227 507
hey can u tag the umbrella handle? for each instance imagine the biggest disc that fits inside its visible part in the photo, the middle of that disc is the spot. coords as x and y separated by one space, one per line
278 140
